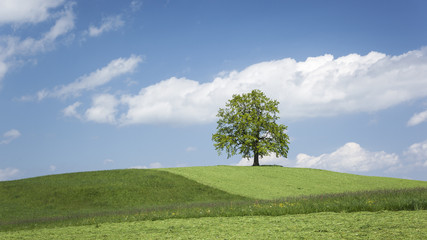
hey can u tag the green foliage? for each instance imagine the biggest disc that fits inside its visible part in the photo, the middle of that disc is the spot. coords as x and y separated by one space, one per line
278 182
247 126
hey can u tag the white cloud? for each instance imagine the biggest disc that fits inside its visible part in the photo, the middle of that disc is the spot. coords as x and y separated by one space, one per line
108 161
3 69
156 165
9 136
139 167
115 68
135 5
63 25
26 11
266 160
318 86
103 110
176 100
13 47
417 153
52 168
349 158
151 165
108 24
71 111
418 118
8 173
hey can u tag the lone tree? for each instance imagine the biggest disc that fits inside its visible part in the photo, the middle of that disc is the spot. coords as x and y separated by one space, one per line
247 126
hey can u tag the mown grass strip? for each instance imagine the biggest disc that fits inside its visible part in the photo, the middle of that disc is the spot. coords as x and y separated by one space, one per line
380 200
359 225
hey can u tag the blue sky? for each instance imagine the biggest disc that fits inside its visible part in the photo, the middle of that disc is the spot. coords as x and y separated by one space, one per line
94 85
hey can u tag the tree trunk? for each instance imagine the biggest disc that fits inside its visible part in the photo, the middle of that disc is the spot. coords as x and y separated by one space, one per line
256 159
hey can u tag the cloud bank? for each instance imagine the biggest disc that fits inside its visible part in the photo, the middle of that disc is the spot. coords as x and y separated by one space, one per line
317 87
352 158
349 158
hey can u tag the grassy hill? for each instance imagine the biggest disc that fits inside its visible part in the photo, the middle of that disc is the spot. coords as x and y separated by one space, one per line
278 182
152 194
104 191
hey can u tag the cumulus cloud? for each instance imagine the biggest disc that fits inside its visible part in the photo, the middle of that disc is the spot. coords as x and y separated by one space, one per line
266 160
115 68
349 158
26 11
319 86
71 111
103 109
9 136
417 154
418 118
108 24
8 173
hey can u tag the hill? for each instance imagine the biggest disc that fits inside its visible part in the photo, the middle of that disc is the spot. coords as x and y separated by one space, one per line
276 182
221 191
103 191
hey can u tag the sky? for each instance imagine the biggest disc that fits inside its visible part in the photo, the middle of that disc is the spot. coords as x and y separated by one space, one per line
98 85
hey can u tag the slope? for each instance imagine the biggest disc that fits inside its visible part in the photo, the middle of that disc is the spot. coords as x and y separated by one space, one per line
79 194
270 182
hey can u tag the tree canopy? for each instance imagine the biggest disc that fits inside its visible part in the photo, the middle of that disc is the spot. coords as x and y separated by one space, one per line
247 126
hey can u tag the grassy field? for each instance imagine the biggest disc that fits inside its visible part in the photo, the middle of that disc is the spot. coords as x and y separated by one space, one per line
97 192
95 199
359 225
278 182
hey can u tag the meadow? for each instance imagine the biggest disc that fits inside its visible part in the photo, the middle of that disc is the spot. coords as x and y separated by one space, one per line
358 225
147 198
272 182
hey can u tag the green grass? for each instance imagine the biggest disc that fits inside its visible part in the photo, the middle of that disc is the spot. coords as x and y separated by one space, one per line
278 182
359 225
380 200
87 193
94 198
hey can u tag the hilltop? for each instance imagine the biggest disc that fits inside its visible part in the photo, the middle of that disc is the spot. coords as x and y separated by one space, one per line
269 182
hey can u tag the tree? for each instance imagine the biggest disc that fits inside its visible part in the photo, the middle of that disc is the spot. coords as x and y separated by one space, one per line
247 126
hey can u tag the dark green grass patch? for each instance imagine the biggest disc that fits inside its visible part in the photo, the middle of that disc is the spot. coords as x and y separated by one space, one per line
88 193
